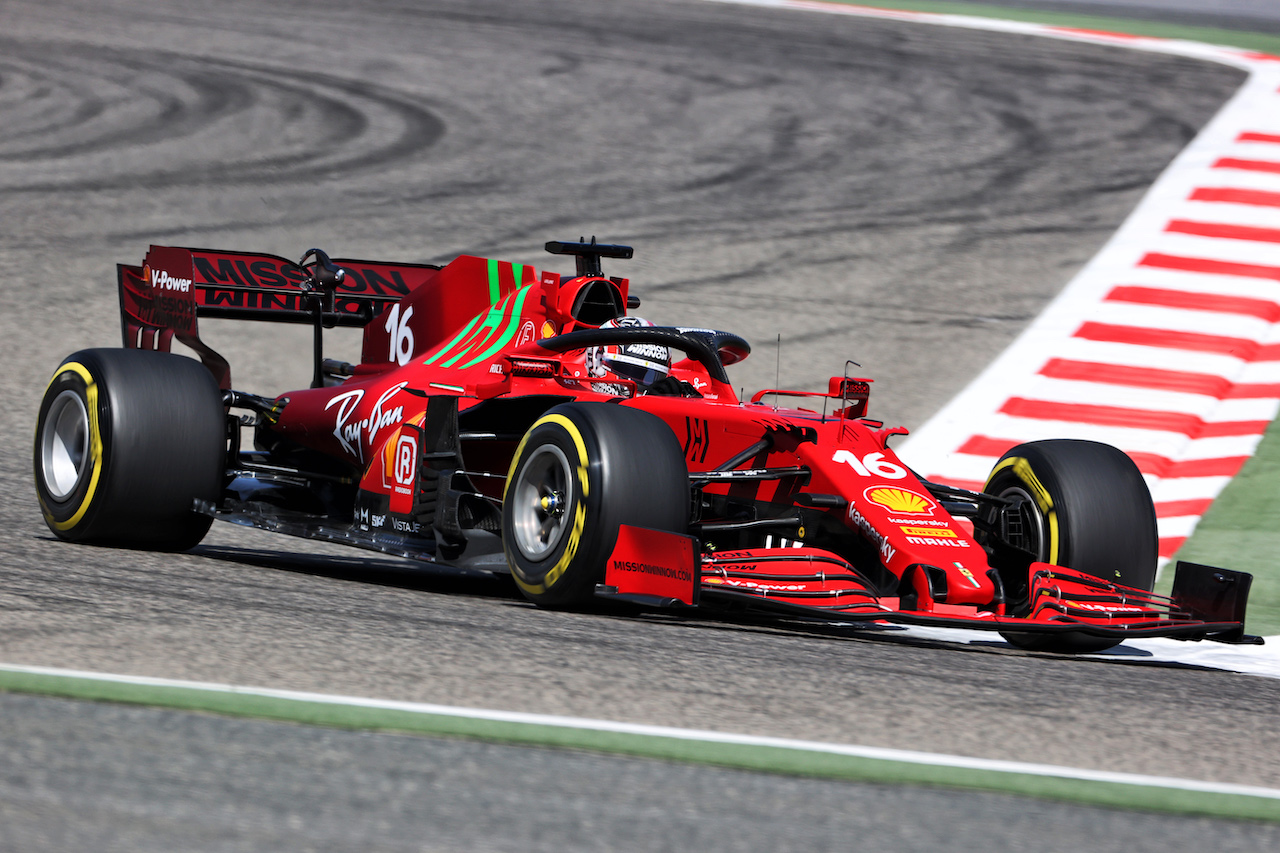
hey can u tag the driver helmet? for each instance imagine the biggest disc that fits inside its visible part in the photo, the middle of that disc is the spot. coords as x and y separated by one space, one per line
642 363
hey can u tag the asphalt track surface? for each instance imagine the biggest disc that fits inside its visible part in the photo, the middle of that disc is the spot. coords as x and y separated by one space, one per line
904 195
189 781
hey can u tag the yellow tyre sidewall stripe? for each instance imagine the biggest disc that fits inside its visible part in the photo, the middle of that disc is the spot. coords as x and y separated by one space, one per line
95 444
580 511
1023 471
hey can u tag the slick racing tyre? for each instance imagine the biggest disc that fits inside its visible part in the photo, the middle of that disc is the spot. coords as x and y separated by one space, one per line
580 471
1086 508
126 441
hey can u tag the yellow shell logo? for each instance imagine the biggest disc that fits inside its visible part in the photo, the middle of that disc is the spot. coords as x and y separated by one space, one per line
900 500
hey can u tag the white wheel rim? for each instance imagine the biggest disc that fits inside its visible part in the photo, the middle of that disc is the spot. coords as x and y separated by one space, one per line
540 502
64 445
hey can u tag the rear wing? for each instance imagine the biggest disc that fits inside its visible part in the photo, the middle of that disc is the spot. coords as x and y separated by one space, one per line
174 287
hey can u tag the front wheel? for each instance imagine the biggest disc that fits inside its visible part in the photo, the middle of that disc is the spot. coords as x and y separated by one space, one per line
1085 507
580 471
126 442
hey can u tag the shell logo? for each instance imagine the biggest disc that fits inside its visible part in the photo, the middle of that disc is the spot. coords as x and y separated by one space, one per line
900 500
146 274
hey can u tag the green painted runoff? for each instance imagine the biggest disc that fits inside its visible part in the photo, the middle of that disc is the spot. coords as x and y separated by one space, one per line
758 758
1261 42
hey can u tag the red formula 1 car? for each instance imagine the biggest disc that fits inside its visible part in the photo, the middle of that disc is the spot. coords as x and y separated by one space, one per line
507 419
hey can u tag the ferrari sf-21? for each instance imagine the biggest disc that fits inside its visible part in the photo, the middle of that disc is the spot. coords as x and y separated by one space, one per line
511 420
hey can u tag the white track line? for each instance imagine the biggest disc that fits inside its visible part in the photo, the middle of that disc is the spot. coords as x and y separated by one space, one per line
1263 661
519 718
1167 343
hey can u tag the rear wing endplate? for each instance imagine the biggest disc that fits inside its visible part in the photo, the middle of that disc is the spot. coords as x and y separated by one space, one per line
164 298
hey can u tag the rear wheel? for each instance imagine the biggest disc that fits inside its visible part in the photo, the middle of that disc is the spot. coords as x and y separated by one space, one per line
126 442
580 471
1086 507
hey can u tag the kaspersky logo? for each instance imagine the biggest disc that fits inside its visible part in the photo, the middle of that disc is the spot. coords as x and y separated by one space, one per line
161 280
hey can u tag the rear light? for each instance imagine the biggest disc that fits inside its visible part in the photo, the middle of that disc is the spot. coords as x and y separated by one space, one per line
853 393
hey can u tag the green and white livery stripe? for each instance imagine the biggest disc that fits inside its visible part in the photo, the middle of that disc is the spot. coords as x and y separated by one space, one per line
464 343
466 330
495 278
488 332
490 321
508 331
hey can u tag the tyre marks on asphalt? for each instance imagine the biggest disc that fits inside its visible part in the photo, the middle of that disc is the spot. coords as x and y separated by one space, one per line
1180 367
1167 344
95 776
855 188
866 187
123 120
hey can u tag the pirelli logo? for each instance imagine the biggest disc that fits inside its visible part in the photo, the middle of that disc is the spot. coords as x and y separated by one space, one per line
945 533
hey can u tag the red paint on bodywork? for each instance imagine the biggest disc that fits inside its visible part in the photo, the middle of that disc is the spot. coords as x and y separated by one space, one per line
653 563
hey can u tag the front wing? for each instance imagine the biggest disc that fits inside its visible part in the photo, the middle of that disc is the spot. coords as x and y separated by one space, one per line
1206 603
